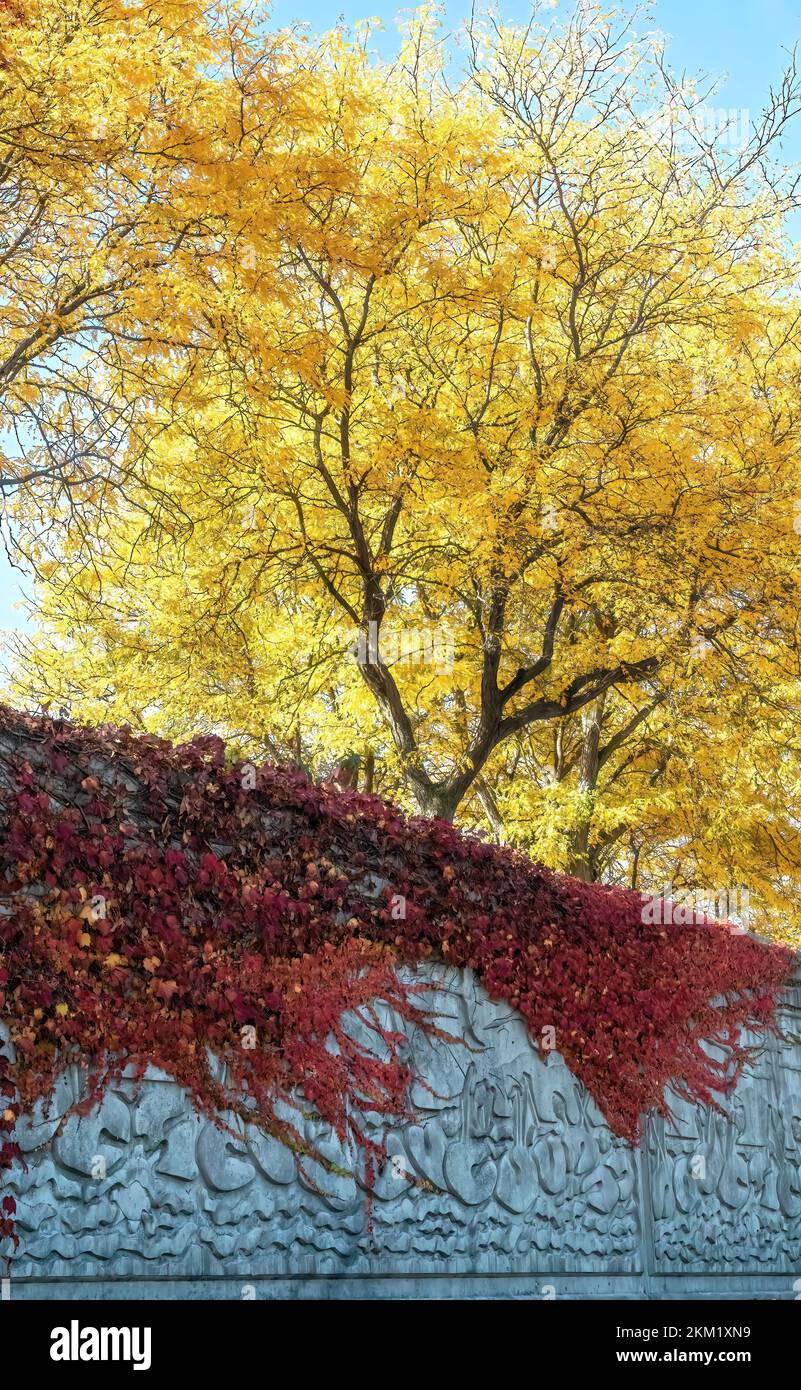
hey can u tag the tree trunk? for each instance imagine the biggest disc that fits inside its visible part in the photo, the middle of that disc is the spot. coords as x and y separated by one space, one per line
490 808
435 800
581 861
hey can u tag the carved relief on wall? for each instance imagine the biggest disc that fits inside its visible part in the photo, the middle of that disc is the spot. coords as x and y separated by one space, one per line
726 1188
509 1167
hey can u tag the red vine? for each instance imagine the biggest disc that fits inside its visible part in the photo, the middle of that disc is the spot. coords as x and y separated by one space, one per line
160 905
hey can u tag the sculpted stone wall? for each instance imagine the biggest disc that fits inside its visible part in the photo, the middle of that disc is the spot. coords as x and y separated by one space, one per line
509 1184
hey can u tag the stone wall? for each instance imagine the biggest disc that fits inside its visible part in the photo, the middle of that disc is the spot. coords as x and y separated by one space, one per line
509 1184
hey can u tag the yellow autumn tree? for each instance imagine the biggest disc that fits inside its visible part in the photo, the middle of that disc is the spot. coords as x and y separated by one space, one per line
108 117
462 446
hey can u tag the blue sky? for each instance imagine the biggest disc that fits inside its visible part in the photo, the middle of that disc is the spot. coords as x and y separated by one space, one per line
741 39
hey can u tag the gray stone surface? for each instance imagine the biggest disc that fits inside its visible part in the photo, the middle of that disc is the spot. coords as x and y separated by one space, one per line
509 1185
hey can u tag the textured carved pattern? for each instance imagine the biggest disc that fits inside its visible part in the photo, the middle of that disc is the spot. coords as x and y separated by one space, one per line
742 1210
509 1169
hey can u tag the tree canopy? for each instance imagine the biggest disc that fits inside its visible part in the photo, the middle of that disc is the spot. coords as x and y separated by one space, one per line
435 418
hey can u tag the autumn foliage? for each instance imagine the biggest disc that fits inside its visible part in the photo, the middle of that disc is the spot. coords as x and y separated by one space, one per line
493 343
159 900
